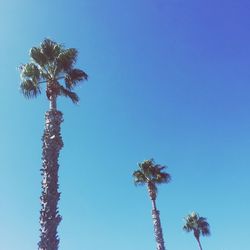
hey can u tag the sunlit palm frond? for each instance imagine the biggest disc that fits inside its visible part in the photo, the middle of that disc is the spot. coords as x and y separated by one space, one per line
29 88
37 56
51 49
30 76
30 71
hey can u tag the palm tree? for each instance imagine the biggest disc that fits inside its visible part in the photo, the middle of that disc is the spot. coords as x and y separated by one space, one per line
151 174
197 224
51 65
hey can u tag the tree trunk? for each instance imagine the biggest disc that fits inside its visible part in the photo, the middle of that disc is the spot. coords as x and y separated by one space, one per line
49 215
52 102
199 243
158 230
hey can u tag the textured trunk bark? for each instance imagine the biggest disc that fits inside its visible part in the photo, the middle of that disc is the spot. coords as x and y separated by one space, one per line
158 230
153 205
52 103
49 215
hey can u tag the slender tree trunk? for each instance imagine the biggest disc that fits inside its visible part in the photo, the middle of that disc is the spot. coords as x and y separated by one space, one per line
158 230
52 103
198 240
153 205
156 219
49 215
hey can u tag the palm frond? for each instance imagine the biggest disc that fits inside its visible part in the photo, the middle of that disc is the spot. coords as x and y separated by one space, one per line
197 224
74 76
139 178
204 226
67 93
38 57
51 49
66 59
30 71
162 178
147 167
154 172
187 228
29 88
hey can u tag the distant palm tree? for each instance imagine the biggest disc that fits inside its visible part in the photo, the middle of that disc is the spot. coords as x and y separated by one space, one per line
197 224
151 174
52 65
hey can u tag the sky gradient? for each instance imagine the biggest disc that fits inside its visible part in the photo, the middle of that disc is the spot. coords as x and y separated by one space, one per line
168 79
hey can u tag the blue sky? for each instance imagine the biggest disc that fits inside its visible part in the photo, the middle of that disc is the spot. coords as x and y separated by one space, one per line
168 79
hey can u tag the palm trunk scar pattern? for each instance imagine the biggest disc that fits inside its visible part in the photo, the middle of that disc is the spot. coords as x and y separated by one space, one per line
49 215
158 230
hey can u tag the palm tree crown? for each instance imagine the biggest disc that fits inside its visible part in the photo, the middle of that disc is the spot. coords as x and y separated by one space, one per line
197 224
151 174
52 64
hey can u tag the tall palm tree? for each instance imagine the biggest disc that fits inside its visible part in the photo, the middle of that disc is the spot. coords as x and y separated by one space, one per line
151 175
51 65
197 224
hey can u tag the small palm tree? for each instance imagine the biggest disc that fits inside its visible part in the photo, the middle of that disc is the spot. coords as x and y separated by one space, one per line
51 65
152 174
197 224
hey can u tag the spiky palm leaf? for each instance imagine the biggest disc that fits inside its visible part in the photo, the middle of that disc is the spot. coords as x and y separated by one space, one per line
54 65
151 173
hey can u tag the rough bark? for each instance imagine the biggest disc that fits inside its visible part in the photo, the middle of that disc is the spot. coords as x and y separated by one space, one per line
52 103
158 230
151 191
49 215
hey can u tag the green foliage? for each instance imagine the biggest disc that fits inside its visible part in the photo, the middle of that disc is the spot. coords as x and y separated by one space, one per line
54 65
151 174
73 77
66 59
30 71
29 88
50 49
67 93
37 56
197 224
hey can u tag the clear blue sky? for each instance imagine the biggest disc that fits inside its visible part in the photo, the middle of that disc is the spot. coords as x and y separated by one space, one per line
168 79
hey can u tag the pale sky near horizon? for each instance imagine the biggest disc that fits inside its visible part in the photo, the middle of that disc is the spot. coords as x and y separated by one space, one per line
168 79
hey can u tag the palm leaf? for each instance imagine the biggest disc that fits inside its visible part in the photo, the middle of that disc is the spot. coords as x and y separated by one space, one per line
37 56
30 71
67 93
197 224
66 60
74 76
139 178
29 88
50 49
